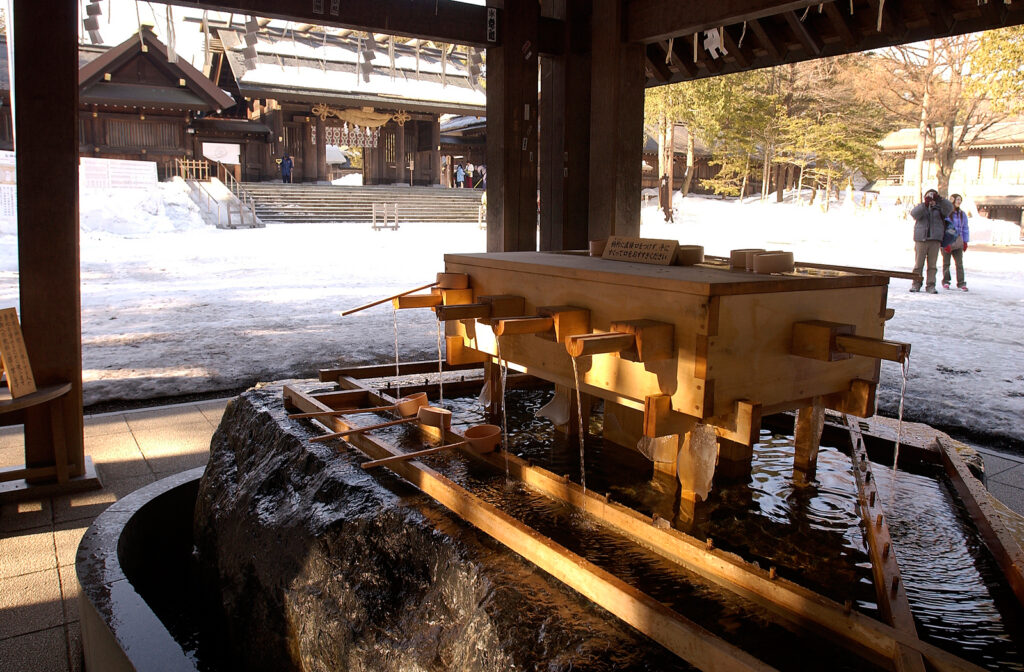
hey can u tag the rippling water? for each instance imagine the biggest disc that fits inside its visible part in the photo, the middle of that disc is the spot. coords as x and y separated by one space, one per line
811 534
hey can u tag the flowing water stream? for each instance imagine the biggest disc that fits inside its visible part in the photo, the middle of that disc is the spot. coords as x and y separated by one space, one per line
583 433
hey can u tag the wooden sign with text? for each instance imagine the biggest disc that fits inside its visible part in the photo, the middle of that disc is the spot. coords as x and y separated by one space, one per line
14 356
656 251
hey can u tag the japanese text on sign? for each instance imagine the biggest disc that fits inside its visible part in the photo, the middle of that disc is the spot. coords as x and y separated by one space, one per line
641 250
14 355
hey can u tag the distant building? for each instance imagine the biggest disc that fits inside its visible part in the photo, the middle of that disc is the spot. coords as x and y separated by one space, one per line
990 173
702 169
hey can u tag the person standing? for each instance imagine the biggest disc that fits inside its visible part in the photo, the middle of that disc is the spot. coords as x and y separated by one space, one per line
469 175
460 176
929 225
956 249
286 168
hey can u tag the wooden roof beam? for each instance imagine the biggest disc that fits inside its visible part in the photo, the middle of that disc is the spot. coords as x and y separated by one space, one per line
441 20
684 58
656 59
994 10
769 45
744 55
653 20
846 31
891 22
811 43
940 16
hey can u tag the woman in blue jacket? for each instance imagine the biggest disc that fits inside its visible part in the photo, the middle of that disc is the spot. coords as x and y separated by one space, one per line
957 248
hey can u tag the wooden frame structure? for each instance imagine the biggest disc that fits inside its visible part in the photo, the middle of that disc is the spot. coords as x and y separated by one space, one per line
891 647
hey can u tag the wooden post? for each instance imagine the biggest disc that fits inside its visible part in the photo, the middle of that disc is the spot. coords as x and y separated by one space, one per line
616 125
565 147
810 420
46 122
436 176
321 151
308 151
400 176
512 130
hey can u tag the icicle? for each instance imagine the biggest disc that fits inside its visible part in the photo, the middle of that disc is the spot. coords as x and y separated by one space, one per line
881 6
743 33
668 55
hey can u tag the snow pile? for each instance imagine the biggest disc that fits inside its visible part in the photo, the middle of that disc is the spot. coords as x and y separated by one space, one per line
352 180
134 212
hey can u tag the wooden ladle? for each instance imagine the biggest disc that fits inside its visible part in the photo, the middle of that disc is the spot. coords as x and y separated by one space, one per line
406 407
480 439
430 416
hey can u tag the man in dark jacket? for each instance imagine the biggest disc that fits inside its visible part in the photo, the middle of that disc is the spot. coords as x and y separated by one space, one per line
286 169
929 224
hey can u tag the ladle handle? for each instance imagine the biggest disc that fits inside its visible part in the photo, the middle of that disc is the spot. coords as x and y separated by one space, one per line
343 411
390 298
408 456
357 430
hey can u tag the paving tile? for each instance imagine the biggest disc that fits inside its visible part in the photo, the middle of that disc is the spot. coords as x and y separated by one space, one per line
26 552
213 410
30 602
88 505
15 516
110 447
12 452
996 463
1012 495
175 440
66 537
173 464
69 590
168 416
43 651
101 425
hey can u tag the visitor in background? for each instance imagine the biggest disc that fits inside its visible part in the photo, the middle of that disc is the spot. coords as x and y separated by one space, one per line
286 168
460 176
957 247
469 175
929 225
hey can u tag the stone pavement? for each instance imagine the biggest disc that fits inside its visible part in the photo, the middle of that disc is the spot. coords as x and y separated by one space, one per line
39 626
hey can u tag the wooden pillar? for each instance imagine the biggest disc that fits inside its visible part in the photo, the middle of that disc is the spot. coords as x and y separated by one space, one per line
400 167
308 151
46 122
321 150
512 150
98 135
436 176
565 140
810 420
616 125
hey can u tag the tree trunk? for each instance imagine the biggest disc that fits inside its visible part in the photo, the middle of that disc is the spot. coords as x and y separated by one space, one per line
800 186
690 149
923 124
945 157
780 183
828 192
661 145
746 171
670 164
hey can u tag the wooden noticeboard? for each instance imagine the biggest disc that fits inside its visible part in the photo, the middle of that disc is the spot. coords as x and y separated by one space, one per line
14 356
656 251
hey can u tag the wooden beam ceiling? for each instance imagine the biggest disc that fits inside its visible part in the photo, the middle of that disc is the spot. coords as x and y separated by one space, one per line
793 35
653 20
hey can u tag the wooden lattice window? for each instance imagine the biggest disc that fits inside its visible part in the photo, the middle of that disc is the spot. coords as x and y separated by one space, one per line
138 133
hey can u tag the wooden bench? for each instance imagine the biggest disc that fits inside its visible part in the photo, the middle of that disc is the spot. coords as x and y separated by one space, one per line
22 396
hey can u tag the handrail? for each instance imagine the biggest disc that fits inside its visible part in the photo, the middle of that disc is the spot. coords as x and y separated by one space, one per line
210 199
241 194
192 169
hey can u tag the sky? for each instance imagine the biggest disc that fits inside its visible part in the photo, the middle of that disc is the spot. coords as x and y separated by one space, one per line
171 306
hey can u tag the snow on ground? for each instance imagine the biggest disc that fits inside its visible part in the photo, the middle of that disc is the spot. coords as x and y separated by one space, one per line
170 306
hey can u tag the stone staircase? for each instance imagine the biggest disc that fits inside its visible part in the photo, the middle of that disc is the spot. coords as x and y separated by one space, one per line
300 203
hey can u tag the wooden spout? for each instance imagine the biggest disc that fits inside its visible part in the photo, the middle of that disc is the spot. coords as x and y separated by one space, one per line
597 344
463 311
892 351
417 301
522 325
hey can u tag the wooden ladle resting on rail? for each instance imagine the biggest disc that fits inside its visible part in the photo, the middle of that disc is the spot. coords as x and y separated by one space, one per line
480 439
444 281
430 416
406 407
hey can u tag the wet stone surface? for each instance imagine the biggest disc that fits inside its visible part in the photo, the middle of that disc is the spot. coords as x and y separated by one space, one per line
313 563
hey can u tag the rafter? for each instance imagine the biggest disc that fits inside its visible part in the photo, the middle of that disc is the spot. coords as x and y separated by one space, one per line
684 60
847 33
811 43
769 45
652 20
656 60
940 16
744 55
